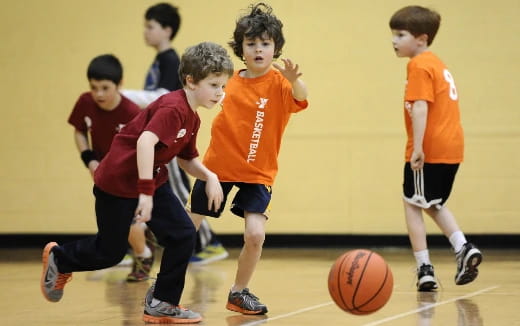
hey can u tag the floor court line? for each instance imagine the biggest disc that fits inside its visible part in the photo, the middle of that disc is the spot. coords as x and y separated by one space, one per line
289 314
381 321
429 306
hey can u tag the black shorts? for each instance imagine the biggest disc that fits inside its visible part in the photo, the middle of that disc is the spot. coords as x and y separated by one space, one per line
250 197
429 186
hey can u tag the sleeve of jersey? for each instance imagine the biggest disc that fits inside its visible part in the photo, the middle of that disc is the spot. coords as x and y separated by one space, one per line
420 85
293 104
77 116
165 123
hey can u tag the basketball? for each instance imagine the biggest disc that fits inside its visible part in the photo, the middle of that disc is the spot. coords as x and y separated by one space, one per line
360 282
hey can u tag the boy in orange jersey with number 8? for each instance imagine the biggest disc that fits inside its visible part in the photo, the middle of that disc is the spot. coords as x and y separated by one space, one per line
246 137
435 144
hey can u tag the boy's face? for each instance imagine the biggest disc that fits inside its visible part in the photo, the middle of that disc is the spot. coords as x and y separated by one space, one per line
155 34
105 93
405 44
209 91
258 54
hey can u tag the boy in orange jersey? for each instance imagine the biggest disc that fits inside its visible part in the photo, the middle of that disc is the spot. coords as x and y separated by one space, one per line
246 137
435 144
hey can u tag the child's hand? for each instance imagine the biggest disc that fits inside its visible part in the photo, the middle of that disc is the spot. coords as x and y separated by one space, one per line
92 166
214 193
289 71
417 160
143 212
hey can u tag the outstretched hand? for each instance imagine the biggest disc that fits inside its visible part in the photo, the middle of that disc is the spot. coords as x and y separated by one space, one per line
289 71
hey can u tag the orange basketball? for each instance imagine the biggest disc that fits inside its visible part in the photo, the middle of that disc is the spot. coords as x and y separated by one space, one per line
360 282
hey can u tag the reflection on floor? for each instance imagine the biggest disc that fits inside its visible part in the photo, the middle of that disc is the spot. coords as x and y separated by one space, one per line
292 282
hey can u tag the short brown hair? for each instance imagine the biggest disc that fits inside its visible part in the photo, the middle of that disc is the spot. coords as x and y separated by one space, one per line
417 20
203 59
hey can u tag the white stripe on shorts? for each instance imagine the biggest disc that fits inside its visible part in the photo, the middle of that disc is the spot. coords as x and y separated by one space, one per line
419 198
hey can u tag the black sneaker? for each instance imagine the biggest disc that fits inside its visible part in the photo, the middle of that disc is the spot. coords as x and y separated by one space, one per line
426 279
468 259
246 303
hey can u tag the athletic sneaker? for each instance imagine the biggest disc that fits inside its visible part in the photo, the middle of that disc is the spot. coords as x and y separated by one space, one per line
166 313
52 281
245 302
127 260
426 278
468 259
142 266
140 270
151 240
211 253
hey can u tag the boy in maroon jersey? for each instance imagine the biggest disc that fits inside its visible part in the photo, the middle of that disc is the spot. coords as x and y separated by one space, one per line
132 179
100 112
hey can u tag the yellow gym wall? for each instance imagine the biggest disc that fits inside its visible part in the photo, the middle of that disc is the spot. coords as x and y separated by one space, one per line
341 160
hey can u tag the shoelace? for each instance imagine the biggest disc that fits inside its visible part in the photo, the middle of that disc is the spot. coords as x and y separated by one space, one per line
249 294
63 278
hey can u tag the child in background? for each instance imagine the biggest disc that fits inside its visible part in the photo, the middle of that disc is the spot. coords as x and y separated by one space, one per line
131 184
101 112
435 145
246 137
162 22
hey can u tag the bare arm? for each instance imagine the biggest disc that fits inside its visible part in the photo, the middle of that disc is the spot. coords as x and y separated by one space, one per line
419 117
81 140
213 187
291 73
145 157
82 144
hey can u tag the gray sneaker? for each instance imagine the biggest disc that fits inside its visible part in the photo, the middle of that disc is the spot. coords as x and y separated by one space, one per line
166 313
52 281
468 259
246 303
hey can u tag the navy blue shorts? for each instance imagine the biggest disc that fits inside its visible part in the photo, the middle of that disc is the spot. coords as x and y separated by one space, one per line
430 186
250 197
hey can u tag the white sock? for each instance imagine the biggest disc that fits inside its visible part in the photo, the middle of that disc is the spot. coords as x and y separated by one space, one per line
234 291
147 253
457 240
422 257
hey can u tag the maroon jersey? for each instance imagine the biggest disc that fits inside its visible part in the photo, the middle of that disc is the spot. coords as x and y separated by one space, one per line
173 121
103 125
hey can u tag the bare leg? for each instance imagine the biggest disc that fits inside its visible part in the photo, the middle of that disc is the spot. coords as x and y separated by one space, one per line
136 238
254 236
196 219
444 219
416 227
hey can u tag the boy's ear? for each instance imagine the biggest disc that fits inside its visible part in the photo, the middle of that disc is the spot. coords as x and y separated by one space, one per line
170 30
423 38
189 82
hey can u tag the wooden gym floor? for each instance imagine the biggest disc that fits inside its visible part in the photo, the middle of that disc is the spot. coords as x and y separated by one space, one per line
292 282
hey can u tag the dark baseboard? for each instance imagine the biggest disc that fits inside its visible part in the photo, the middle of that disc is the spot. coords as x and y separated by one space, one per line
499 241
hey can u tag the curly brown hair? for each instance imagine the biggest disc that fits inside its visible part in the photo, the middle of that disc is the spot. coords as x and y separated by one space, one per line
261 23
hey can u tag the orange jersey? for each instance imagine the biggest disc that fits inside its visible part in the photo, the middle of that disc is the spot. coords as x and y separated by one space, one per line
247 133
428 79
